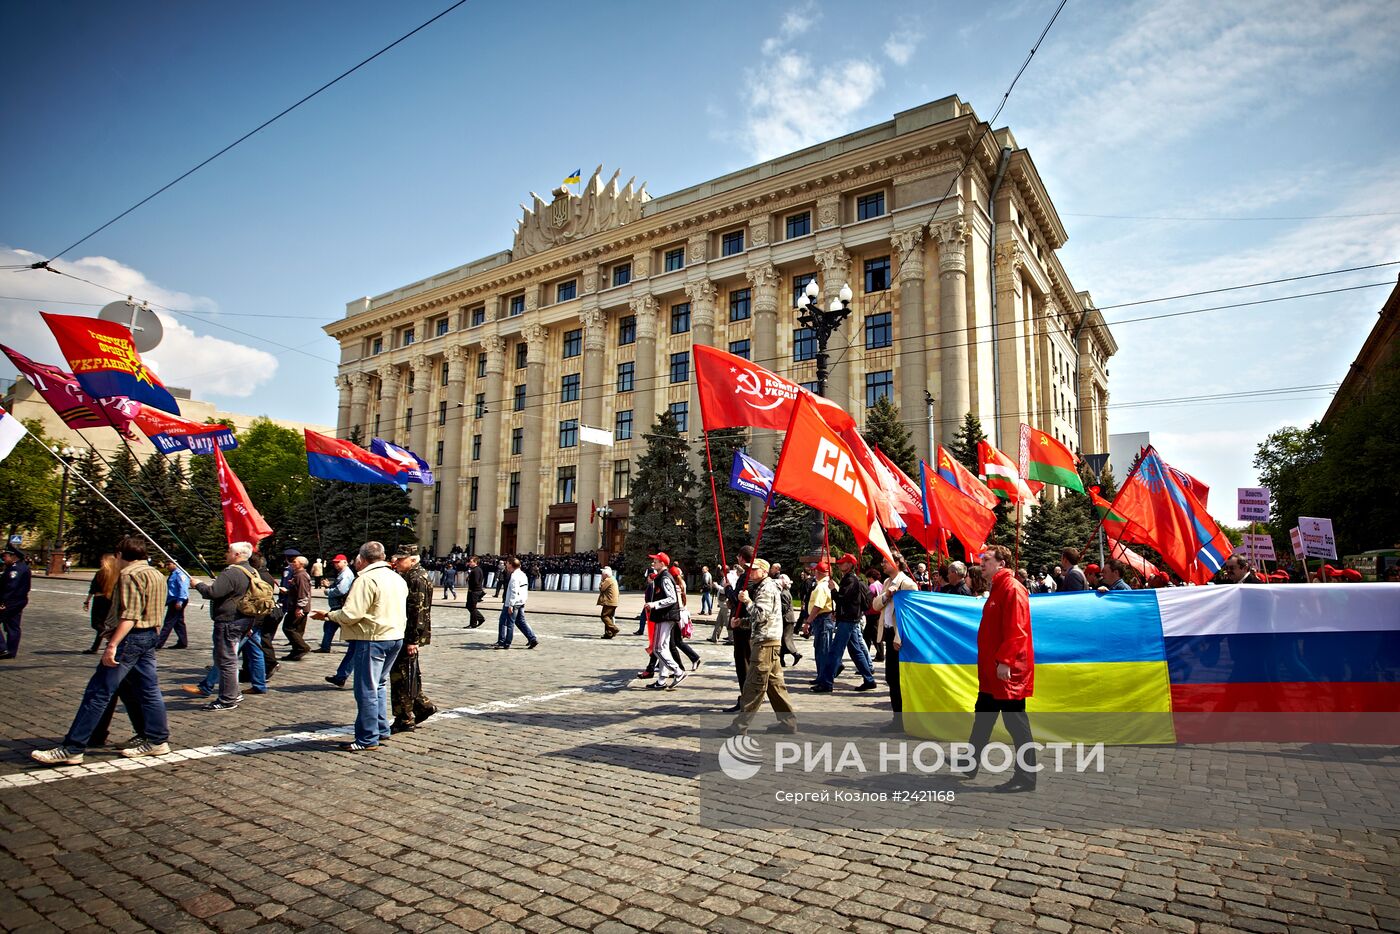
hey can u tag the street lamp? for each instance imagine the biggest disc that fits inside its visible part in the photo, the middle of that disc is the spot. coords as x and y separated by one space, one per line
58 554
822 324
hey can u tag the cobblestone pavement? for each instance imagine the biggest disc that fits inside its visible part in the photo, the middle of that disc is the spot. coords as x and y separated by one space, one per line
557 796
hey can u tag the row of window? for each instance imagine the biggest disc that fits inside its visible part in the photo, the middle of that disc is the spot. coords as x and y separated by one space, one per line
565 487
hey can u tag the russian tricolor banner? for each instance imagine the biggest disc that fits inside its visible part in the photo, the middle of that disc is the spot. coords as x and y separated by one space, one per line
1178 664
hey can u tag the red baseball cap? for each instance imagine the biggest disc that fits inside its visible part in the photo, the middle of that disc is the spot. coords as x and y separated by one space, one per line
823 566
662 557
848 558
1091 568
340 558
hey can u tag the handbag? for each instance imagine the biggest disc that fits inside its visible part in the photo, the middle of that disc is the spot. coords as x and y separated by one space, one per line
687 628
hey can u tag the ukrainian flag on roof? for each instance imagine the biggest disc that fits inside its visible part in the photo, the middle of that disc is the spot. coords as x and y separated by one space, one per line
574 177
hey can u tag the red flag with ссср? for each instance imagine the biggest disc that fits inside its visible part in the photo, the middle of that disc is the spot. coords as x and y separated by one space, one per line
242 522
817 468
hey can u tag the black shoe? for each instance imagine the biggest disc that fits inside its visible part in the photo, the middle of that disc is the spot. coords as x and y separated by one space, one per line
735 709
638 632
294 657
1016 784
531 645
183 645
322 651
796 660
399 726
338 682
90 652
420 715
867 686
5 655
257 690
821 689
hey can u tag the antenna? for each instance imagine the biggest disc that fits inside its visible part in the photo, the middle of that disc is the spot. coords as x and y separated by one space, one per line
146 329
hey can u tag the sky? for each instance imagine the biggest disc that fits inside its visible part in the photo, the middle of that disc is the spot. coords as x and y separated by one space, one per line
1188 145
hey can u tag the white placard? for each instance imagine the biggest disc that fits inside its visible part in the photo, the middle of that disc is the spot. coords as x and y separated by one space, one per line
1317 537
1253 504
1256 547
595 435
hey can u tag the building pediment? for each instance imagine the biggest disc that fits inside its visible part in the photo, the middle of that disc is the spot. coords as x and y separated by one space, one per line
570 216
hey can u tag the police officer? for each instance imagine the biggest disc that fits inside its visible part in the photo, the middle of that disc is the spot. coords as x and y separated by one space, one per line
410 705
14 597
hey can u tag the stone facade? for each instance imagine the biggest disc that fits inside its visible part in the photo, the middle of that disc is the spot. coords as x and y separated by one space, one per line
485 369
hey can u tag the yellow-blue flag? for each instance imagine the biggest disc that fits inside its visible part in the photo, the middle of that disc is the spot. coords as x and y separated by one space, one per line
574 177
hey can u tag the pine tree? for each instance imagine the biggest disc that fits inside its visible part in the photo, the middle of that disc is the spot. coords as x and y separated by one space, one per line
93 527
964 446
204 520
786 533
661 506
884 430
733 505
121 488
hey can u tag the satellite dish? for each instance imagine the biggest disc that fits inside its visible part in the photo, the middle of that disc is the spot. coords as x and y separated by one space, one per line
146 329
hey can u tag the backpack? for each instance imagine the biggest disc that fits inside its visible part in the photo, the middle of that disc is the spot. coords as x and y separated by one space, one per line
259 600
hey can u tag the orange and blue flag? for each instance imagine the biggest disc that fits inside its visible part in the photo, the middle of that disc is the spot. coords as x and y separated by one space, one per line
105 361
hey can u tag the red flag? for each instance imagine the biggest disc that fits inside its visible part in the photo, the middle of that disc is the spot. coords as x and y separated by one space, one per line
592 510
1137 562
817 468
105 360
242 522
63 394
1004 475
879 482
952 512
1197 488
735 393
950 469
908 500
1172 519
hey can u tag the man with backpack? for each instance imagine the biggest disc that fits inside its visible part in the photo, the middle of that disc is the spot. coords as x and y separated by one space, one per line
237 598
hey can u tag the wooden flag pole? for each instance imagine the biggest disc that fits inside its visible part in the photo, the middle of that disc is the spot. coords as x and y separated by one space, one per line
714 498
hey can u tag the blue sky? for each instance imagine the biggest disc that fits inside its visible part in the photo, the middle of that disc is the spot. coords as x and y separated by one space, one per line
417 163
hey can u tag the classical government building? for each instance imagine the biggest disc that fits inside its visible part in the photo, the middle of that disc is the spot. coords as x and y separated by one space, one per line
489 370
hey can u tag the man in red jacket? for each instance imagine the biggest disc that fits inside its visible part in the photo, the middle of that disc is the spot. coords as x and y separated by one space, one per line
1005 667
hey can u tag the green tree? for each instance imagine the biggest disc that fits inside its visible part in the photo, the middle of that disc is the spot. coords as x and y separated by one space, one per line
29 485
884 430
964 451
203 511
93 526
661 506
733 505
271 462
786 534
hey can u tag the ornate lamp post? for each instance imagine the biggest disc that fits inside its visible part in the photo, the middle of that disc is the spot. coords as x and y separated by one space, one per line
58 554
822 324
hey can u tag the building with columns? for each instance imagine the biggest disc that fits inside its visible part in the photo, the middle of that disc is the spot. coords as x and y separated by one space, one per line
945 234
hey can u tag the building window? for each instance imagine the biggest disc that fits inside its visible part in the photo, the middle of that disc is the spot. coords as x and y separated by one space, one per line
674 259
680 411
564 485
513 491
871 205
517 441
799 225
877 274
621 274
804 345
622 425
740 305
437 461
376 425
519 402
627 330
566 291
441 327
680 366
878 332
376 346
476 447
568 433
573 342
739 348
475 491
442 413
437 497
879 386
731 243
443 371
810 386
407 337
680 318
799 285
568 388
622 479
478 316
480 365
517 305
479 405
408 413
522 355
626 373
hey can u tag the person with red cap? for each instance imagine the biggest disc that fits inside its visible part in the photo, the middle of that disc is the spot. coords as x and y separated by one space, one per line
819 624
851 597
1005 669
335 599
665 614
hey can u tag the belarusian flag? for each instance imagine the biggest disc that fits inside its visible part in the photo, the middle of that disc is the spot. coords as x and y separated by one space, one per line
1003 476
1045 459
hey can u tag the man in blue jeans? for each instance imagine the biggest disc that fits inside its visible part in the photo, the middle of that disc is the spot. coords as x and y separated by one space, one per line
819 625
177 597
513 612
335 599
138 602
850 612
372 620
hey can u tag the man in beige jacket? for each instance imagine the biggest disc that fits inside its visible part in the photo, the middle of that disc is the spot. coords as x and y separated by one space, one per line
607 599
372 620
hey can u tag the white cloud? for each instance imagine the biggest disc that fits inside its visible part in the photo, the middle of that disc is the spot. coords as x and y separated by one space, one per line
793 100
206 365
900 46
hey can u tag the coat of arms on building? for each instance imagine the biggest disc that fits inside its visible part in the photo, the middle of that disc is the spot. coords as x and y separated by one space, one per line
571 217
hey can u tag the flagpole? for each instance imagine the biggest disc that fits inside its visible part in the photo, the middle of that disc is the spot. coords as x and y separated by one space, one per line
1017 559
115 507
714 498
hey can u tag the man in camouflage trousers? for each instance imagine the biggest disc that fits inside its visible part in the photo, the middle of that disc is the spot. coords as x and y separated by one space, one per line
410 705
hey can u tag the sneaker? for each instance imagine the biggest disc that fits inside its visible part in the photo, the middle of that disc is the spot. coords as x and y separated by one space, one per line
147 748
359 747
59 755
194 690
657 685
338 682
135 740
221 705
676 680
